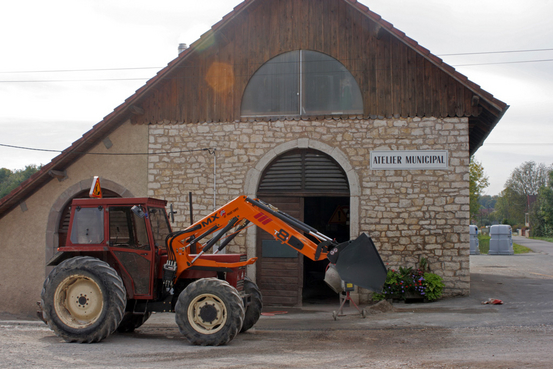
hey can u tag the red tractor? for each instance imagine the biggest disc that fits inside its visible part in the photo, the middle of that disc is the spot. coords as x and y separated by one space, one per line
121 262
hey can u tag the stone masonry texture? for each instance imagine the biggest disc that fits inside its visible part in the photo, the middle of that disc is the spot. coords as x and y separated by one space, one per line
410 214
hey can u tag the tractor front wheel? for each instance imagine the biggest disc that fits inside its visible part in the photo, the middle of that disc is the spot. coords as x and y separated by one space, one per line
83 299
209 312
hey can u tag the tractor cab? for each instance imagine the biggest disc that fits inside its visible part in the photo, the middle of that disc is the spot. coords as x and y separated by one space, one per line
128 233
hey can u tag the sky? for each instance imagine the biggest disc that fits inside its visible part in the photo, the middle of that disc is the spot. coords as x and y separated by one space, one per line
66 64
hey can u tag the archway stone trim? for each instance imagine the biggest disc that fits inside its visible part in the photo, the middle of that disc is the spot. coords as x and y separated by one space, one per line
253 178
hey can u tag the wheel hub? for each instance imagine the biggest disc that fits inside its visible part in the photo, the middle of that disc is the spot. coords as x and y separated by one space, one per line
207 313
82 301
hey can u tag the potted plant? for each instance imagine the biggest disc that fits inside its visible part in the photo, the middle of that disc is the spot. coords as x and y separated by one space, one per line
408 283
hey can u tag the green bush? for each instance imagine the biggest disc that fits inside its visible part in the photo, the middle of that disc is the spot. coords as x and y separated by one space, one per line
406 282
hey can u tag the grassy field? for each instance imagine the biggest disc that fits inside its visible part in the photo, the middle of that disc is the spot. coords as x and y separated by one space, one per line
484 245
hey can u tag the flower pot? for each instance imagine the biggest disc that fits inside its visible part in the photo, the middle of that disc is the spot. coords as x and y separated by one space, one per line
413 297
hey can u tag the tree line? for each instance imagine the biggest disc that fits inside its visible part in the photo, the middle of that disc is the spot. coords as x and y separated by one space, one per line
526 201
9 180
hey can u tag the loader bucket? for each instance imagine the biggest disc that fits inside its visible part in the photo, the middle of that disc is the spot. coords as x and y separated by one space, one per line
359 263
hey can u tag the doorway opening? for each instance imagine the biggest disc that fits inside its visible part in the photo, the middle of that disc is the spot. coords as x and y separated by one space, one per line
329 215
312 187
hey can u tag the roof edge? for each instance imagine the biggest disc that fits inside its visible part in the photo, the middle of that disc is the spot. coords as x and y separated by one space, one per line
437 61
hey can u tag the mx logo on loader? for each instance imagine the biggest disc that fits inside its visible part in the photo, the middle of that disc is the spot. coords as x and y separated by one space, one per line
210 220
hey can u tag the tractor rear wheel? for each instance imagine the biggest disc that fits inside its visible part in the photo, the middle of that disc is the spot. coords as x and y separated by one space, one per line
253 311
209 312
83 299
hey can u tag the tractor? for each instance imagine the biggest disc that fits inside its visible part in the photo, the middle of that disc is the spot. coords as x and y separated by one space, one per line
121 262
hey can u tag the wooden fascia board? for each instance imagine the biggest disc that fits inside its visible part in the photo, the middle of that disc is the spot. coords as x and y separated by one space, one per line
492 126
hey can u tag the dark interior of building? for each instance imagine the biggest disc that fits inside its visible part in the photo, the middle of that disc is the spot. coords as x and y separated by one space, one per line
329 215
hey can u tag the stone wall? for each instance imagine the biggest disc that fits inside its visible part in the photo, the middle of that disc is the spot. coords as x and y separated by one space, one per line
409 214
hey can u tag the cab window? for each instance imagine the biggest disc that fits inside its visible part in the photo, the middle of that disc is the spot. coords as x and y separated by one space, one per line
88 226
127 229
160 226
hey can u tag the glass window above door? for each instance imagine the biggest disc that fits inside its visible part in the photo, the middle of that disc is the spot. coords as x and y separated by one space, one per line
302 83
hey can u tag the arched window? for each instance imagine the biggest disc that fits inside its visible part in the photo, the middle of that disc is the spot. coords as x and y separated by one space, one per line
302 83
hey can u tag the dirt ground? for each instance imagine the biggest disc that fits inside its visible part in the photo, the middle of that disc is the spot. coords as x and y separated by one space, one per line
450 333
158 346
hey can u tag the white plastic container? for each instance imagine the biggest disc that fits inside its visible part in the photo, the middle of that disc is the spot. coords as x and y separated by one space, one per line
501 241
474 244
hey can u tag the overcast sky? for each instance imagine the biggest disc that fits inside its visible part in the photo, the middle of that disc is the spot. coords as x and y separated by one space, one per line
53 88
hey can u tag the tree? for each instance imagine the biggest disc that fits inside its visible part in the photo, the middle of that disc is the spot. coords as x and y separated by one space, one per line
528 178
478 182
10 180
523 187
486 214
541 216
488 201
510 207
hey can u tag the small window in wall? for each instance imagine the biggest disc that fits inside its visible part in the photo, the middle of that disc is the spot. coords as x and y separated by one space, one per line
302 83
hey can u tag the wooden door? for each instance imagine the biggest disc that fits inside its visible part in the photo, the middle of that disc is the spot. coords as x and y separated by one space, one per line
286 183
280 268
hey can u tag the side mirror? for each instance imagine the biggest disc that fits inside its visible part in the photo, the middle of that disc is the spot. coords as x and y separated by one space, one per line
172 213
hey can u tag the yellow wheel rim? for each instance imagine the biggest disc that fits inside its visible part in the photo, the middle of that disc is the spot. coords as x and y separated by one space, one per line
78 301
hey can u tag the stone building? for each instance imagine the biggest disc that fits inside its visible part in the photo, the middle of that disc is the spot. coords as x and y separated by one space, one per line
318 106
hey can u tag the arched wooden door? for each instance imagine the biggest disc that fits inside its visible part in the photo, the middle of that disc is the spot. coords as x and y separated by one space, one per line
287 182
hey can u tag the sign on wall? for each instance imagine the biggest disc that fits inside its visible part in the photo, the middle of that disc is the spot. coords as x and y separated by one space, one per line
411 159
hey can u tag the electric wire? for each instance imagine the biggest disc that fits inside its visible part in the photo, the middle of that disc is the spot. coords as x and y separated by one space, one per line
158 68
210 149
148 78
497 52
151 67
77 70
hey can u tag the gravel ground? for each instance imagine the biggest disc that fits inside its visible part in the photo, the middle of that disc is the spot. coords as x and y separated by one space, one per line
450 333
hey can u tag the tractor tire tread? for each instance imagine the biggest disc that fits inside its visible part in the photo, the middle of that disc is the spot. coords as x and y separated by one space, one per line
114 297
234 305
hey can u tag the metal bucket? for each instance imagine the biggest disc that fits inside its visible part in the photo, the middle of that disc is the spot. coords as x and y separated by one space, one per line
359 262
332 278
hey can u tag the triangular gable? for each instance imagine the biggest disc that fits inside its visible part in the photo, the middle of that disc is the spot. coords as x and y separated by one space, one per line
398 77
177 93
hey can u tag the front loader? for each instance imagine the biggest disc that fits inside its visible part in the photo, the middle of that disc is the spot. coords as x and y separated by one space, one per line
121 262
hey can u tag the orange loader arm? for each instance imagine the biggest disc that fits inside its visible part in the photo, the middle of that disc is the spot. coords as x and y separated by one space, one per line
185 248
